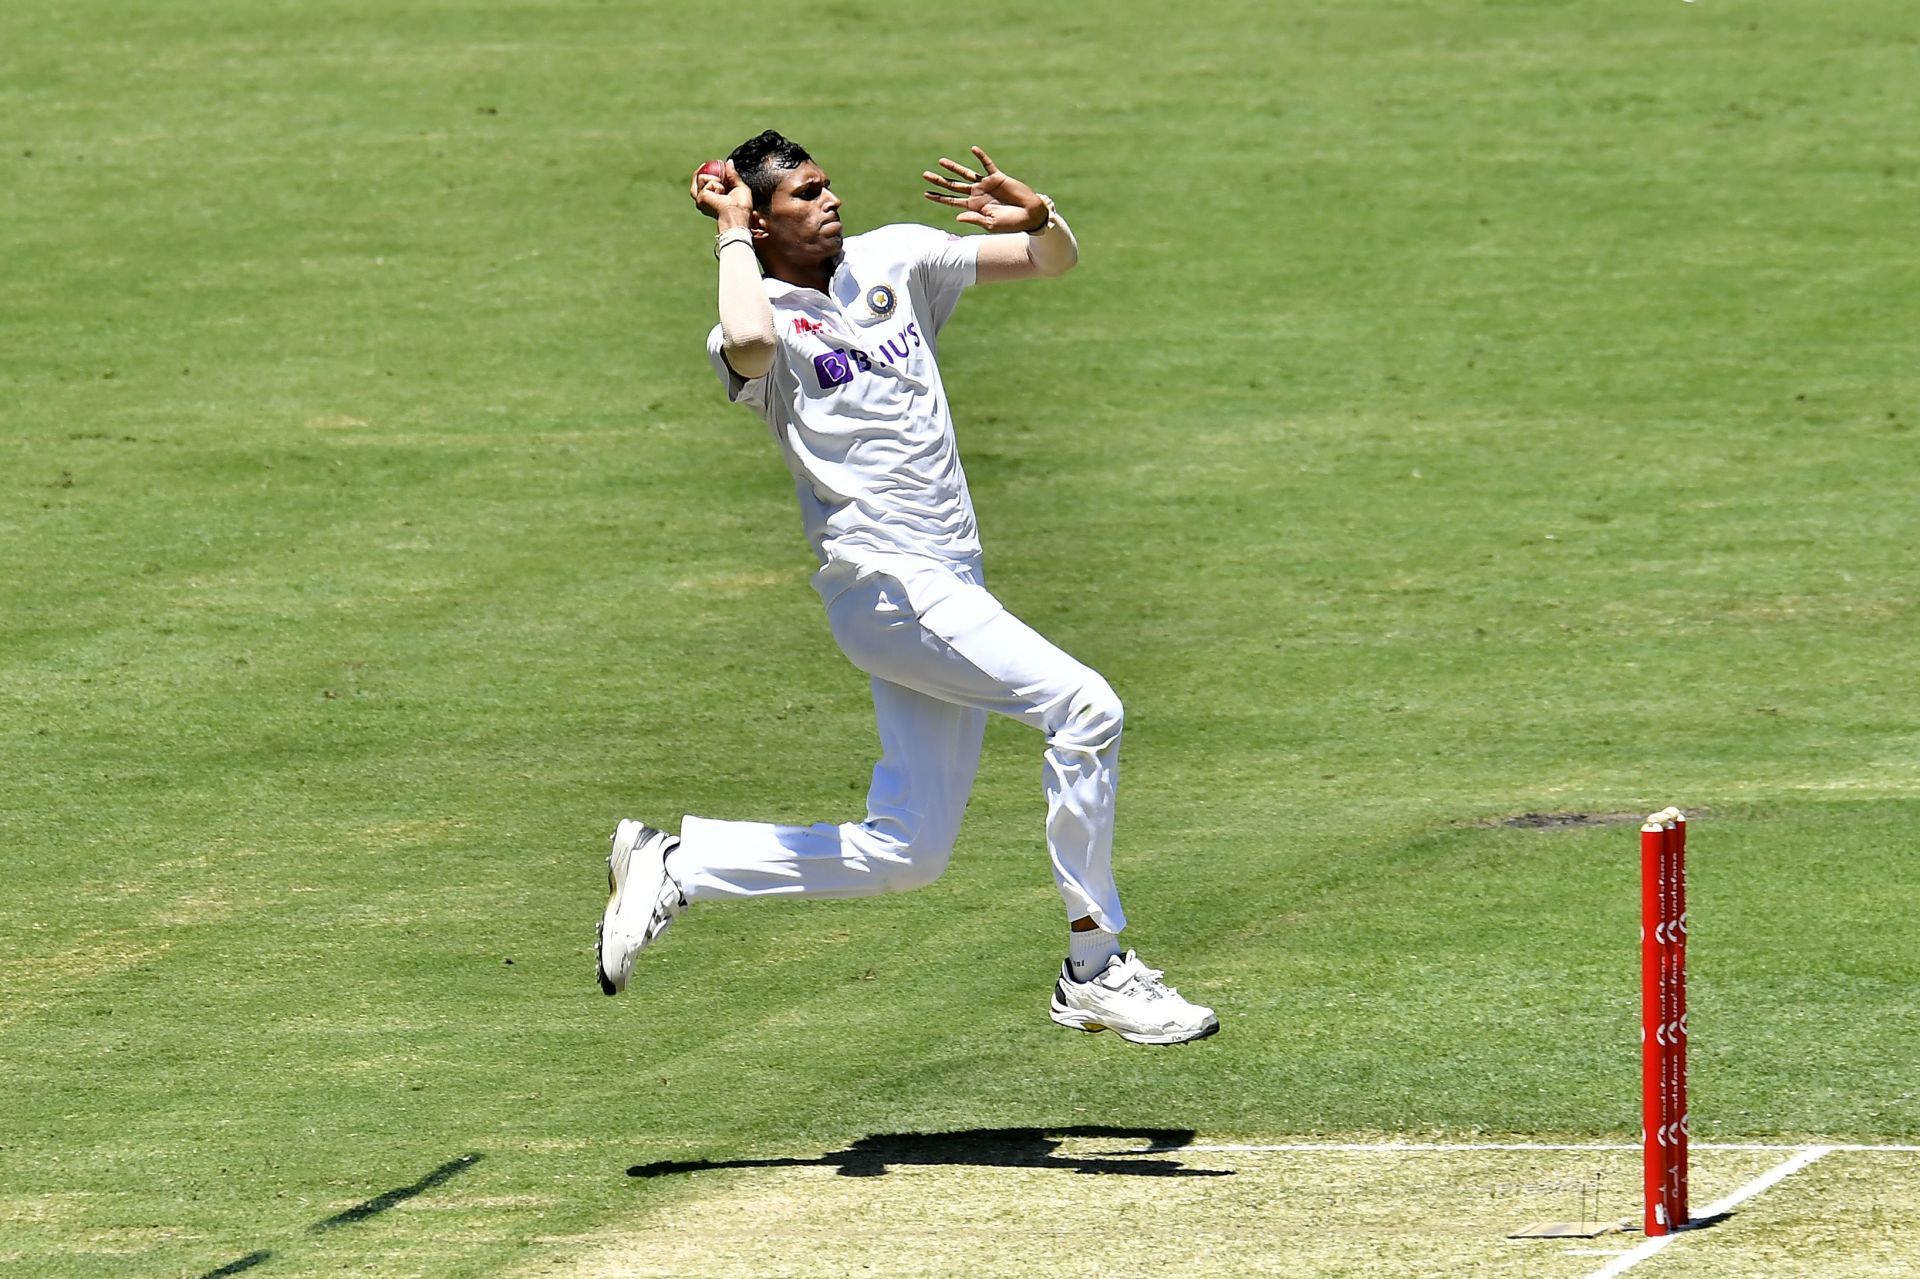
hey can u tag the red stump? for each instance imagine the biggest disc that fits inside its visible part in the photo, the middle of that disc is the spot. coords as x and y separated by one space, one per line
1663 1018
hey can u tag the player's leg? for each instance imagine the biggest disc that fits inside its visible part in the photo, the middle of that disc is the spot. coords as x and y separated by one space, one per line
929 753
953 640
957 643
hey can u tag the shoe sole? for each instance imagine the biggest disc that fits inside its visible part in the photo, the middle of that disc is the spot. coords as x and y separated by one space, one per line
618 862
600 969
1068 1018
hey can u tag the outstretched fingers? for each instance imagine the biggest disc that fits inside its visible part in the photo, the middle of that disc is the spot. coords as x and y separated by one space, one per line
970 176
956 194
967 212
933 179
977 192
954 166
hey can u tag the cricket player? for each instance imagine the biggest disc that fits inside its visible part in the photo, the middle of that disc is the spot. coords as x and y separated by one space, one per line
832 339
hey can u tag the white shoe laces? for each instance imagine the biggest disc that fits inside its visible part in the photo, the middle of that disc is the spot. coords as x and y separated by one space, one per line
670 903
1146 983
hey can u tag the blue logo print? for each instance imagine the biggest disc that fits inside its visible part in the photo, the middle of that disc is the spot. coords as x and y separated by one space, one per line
834 369
837 367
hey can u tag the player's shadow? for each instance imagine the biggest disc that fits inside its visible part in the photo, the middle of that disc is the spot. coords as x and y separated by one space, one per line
361 1211
879 1154
398 1195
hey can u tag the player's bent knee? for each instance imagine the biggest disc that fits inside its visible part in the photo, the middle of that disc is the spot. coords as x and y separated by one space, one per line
919 872
919 863
913 862
1095 719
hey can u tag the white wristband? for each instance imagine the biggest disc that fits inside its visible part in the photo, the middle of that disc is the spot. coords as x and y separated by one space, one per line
1046 226
738 235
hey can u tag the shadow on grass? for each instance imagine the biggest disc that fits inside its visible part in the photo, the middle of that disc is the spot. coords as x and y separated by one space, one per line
398 1195
359 1212
247 1262
875 1156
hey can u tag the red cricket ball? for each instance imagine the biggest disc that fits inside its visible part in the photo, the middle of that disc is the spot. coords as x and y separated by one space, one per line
714 169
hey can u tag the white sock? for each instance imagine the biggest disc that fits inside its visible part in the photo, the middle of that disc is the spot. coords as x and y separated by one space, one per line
1088 952
675 861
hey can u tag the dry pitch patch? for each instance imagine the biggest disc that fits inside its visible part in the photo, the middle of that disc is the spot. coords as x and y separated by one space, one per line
1025 1203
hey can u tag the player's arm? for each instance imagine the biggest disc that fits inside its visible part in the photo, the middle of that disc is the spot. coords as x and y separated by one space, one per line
746 316
1030 239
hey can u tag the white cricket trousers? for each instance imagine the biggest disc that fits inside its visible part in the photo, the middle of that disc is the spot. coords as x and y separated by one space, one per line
942 652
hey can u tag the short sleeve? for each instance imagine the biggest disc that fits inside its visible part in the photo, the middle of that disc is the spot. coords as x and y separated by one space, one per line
740 390
943 265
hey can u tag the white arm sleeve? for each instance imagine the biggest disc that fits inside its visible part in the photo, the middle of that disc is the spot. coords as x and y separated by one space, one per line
1024 257
746 316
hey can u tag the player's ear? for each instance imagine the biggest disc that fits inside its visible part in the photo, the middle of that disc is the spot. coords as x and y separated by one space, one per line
757 225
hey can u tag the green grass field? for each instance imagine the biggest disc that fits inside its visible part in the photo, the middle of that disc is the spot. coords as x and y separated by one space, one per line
1463 408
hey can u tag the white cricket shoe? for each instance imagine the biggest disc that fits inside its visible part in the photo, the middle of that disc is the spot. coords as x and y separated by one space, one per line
1128 998
642 899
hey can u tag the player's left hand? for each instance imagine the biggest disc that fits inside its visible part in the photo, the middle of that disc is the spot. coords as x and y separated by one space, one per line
991 199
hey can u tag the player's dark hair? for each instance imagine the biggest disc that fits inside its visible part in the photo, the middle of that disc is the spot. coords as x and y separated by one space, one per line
760 162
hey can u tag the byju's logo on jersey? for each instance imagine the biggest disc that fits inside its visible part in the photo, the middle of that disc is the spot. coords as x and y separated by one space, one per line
836 368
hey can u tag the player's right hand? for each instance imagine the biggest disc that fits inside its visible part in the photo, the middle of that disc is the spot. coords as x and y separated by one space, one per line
728 200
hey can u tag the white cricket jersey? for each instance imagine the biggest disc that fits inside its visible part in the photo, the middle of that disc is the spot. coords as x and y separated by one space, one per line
855 401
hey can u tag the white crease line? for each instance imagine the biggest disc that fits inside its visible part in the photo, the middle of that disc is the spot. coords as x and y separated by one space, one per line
1866 1146
1772 1177
1627 1260
1391 1147
1413 1147
1766 1180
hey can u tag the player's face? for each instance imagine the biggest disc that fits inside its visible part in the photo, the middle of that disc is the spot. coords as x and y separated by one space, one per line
803 216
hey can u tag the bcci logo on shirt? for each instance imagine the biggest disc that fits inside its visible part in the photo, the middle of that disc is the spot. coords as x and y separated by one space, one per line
881 300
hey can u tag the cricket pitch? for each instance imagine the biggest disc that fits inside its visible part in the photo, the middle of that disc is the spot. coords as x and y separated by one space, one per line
1023 1202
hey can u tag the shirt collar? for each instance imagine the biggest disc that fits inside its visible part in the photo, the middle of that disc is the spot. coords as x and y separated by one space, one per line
778 288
